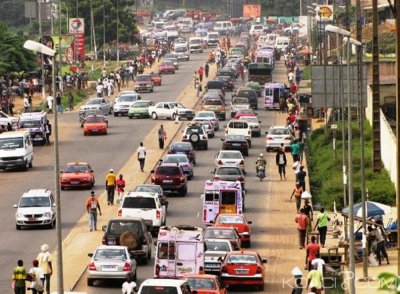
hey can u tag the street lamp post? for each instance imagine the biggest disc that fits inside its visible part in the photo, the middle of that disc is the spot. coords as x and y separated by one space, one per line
40 2
117 32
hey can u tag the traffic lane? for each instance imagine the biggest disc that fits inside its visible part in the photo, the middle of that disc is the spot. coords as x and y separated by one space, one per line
187 210
111 151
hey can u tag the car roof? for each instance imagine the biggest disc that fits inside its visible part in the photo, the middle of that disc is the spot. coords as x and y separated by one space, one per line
125 219
77 163
230 151
163 282
167 164
37 193
200 276
278 127
237 252
140 194
14 134
111 247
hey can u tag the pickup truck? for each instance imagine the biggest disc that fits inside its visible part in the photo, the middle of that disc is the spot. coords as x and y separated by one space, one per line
170 110
196 45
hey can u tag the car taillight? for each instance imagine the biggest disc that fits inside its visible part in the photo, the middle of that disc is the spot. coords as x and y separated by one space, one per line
119 212
209 127
259 270
234 244
288 138
241 162
269 138
240 178
104 241
204 215
220 162
127 267
217 178
182 179
246 228
92 267
170 152
158 214
153 179
157 271
224 269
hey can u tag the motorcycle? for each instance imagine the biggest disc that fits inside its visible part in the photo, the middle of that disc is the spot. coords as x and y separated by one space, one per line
261 172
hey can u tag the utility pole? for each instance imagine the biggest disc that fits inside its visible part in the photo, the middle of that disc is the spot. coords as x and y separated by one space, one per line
40 2
117 32
397 16
104 35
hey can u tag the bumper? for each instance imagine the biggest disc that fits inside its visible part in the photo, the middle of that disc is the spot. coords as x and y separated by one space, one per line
144 89
96 275
196 49
12 164
212 268
277 145
121 111
139 114
91 132
34 221
188 116
171 188
242 280
76 185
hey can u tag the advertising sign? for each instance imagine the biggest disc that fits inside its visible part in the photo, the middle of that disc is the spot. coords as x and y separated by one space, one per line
76 26
326 12
251 11
68 43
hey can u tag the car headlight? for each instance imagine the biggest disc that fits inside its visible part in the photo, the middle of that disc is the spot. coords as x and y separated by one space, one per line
85 179
19 214
64 180
47 214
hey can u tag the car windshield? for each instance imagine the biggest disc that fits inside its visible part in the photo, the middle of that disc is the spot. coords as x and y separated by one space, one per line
11 143
166 63
217 246
195 41
194 130
30 124
92 112
181 49
228 171
212 102
117 254
76 169
183 147
249 119
243 258
168 170
141 104
204 114
143 78
211 95
220 234
95 119
258 27
175 159
34 202
200 283
139 202
278 132
230 155
148 188
240 101
93 102
127 98
224 78
230 219
246 93
118 227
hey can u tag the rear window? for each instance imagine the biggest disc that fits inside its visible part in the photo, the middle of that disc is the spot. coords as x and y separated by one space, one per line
279 132
228 171
213 102
159 289
238 125
168 170
118 227
139 202
246 93
185 147
228 198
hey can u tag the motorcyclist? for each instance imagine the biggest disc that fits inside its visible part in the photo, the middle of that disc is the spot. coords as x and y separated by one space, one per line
129 287
260 162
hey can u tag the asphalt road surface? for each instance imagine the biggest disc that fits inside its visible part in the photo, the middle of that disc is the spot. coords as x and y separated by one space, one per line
260 202
102 152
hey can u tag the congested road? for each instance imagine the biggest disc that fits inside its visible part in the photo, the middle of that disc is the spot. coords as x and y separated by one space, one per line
260 204
111 151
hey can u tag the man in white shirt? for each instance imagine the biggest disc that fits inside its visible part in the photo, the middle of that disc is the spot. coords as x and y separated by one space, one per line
27 105
50 101
44 258
319 263
128 287
141 155
99 90
37 285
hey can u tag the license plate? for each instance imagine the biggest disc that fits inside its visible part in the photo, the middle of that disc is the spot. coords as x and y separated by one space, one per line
109 268
32 219
235 144
180 152
241 271
167 181
212 265
94 130
74 183
230 162
111 242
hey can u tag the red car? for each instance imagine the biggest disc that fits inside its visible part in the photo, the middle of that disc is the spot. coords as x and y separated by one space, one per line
171 177
239 222
95 124
245 112
166 67
243 268
156 79
205 284
77 174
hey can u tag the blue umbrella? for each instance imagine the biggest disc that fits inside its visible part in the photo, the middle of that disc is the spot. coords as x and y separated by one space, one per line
373 209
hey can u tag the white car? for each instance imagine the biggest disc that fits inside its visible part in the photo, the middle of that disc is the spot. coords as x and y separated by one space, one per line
5 119
36 208
256 30
196 45
155 286
239 127
123 102
254 124
229 157
104 104
182 52
209 115
278 135
170 110
144 205
216 249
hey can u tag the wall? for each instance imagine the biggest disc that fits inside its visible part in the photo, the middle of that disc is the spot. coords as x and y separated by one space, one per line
387 71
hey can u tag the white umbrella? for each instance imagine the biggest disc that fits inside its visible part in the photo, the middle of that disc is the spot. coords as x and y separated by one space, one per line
373 209
306 195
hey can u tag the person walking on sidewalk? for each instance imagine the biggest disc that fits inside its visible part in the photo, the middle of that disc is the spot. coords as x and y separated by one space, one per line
206 69
295 147
120 188
27 105
19 277
44 258
47 127
374 234
297 191
302 221
201 73
50 102
111 180
308 211
70 101
37 283
315 280
281 163
301 178
322 224
311 252
161 137
59 103
92 205
141 156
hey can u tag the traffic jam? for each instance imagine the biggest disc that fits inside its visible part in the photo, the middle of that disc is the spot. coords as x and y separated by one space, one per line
218 256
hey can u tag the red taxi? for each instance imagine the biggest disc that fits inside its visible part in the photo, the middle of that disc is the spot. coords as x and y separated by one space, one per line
243 268
156 79
239 222
166 67
245 112
77 174
205 284
95 124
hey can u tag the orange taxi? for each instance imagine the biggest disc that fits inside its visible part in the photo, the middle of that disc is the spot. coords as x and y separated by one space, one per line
243 268
156 79
239 222
205 284
77 174
95 124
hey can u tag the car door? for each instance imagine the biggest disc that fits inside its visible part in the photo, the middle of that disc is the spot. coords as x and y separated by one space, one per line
186 258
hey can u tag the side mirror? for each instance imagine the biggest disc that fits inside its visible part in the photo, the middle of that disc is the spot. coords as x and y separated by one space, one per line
152 171
61 171
266 132
104 228
90 254
211 221
264 260
15 206
91 171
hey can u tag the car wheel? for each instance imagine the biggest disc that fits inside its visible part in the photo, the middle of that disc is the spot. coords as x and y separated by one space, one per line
154 115
25 167
52 225
173 116
31 164
90 282
267 149
261 287
18 227
249 143
130 117
183 191
62 188
143 261
115 114
134 277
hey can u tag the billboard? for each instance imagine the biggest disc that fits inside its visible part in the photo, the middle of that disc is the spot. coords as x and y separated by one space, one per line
71 48
76 26
251 11
326 12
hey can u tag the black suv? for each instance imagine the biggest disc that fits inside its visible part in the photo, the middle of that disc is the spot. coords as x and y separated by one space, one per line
131 232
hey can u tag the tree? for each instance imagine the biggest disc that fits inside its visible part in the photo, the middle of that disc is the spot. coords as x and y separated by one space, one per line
12 12
13 57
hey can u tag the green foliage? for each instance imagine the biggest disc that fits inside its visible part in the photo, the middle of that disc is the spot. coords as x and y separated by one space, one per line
12 12
326 171
13 57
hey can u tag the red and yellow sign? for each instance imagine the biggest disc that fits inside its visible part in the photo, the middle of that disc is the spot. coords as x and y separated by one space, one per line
251 11
326 12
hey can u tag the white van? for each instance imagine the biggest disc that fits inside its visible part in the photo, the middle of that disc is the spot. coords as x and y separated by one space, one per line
281 43
271 38
16 150
239 127
223 27
179 251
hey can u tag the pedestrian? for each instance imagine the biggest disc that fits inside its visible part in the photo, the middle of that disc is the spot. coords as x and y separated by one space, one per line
199 88
70 101
201 73
308 211
301 178
296 168
37 283
92 205
11 107
302 221
26 104
319 262
374 234
59 103
161 137
129 287
44 258
111 180
19 277
195 79
120 188
282 104
281 163
315 280
290 77
50 101
322 224
298 75
206 69
311 252
295 150
298 287
99 90
141 156
297 191
48 132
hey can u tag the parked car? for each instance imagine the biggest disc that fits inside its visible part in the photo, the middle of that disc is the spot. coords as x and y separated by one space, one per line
183 148
236 142
110 263
77 174
277 135
171 177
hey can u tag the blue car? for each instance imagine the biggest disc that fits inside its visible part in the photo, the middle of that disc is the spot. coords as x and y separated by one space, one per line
183 161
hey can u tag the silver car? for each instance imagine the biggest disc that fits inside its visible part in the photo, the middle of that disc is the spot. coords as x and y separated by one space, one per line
231 158
104 104
254 124
207 124
216 249
229 173
278 135
210 115
110 263
183 161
